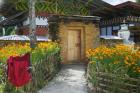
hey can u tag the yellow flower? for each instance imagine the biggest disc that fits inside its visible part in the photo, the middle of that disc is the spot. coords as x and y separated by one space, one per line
19 49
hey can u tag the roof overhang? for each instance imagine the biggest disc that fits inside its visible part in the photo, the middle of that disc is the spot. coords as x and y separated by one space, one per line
13 20
122 9
79 17
22 38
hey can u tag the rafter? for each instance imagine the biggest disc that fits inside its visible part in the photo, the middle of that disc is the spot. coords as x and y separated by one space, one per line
11 19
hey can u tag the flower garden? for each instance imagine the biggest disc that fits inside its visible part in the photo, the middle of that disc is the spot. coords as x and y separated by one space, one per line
115 69
45 63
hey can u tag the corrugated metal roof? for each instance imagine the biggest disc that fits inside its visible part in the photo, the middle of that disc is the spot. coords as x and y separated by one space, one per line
22 38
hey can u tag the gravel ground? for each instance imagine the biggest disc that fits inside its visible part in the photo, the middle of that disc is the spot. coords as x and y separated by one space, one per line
71 79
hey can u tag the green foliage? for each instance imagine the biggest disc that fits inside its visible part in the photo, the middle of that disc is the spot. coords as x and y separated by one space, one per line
8 31
54 31
114 68
138 1
45 64
120 60
113 83
42 72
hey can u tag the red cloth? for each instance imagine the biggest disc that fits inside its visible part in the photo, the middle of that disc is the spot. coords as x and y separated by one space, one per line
18 70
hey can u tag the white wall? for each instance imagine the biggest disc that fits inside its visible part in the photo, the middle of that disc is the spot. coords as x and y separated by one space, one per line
39 21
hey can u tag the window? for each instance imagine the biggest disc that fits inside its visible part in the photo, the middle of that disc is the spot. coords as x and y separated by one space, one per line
116 27
109 31
103 31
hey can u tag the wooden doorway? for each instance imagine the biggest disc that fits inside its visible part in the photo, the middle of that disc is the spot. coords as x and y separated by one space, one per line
74 45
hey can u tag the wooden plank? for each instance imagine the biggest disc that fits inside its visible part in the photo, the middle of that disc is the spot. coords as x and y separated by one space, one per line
105 81
74 40
110 88
121 89
112 75
101 90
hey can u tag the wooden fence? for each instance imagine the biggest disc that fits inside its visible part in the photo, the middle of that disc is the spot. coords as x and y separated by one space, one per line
101 82
42 71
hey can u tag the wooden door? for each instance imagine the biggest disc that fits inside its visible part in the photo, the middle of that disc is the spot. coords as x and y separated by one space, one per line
74 45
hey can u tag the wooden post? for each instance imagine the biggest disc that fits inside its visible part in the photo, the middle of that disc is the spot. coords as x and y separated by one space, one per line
32 23
3 29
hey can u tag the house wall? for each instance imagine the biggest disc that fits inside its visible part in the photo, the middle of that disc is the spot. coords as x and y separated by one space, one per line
41 23
89 37
40 31
112 30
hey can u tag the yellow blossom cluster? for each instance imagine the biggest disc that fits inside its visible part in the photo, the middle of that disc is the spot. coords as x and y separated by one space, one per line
120 54
19 49
48 46
13 50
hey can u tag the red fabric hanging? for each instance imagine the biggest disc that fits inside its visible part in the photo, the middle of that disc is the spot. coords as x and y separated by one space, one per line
18 70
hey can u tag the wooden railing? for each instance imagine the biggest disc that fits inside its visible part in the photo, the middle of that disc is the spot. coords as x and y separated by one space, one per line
101 82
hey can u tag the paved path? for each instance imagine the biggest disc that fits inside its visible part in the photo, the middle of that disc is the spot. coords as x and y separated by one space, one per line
71 79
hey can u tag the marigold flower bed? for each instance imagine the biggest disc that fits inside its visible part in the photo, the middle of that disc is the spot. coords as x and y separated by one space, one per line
45 60
119 64
116 58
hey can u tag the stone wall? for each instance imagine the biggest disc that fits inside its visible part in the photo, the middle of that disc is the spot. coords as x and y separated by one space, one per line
89 37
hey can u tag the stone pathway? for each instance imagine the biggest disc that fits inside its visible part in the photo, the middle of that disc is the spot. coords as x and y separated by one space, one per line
71 79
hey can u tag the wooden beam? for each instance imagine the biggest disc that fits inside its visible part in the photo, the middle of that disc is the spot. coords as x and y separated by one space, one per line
10 18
